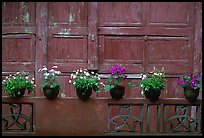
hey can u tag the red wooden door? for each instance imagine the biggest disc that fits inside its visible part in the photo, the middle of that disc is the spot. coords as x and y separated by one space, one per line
18 38
141 36
97 36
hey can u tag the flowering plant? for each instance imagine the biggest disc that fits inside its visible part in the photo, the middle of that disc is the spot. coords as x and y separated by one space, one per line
155 80
84 80
117 77
13 84
189 80
50 77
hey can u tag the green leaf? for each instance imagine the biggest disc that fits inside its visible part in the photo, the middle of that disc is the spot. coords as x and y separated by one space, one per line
108 87
131 85
110 79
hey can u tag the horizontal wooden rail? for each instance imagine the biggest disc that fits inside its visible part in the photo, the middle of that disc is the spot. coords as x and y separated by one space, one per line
105 116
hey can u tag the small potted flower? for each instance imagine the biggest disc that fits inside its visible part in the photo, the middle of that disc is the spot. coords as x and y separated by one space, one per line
191 84
114 82
16 85
84 82
153 84
50 82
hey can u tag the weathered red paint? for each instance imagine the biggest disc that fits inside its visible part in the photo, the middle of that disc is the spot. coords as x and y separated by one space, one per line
98 35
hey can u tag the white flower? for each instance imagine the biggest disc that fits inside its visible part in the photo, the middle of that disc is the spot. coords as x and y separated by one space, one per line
87 74
80 70
74 76
58 72
32 82
142 92
33 79
46 74
74 82
44 69
38 70
144 77
70 81
27 77
54 67
102 83
92 72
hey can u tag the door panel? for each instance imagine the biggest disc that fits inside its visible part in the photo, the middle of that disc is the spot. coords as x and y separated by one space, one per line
67 35
171 14
121 50
119 14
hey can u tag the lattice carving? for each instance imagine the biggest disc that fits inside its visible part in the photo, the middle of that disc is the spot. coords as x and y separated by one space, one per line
125 120
16 120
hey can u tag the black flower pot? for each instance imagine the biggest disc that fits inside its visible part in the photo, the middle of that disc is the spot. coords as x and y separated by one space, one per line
84 94
51 93
191 94
18 93
152 94
117 92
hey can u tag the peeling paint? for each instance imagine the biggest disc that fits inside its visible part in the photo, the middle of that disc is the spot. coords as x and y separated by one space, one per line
22 5
26 17
71 18
64 32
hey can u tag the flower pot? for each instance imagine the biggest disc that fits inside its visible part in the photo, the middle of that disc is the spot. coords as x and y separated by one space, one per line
117 92
152 94
191 94
84 94
51 93
19 93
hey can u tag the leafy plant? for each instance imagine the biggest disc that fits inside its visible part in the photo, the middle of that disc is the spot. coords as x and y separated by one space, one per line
189 80
14 83
50 77
84 80
117 77
155 81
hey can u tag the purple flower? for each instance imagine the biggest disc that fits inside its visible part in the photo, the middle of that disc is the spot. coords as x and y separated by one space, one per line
179 81
197 76
193 83
189 80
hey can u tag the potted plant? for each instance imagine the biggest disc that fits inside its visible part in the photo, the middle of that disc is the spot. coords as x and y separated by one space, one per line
114 82
16 85
85 82
153 84
191 84
50 82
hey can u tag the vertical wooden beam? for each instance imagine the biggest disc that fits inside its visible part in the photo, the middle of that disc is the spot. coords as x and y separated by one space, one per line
198 38
41 42
93 35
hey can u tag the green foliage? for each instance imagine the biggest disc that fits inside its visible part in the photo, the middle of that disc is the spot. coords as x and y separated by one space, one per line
14 83
155 81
